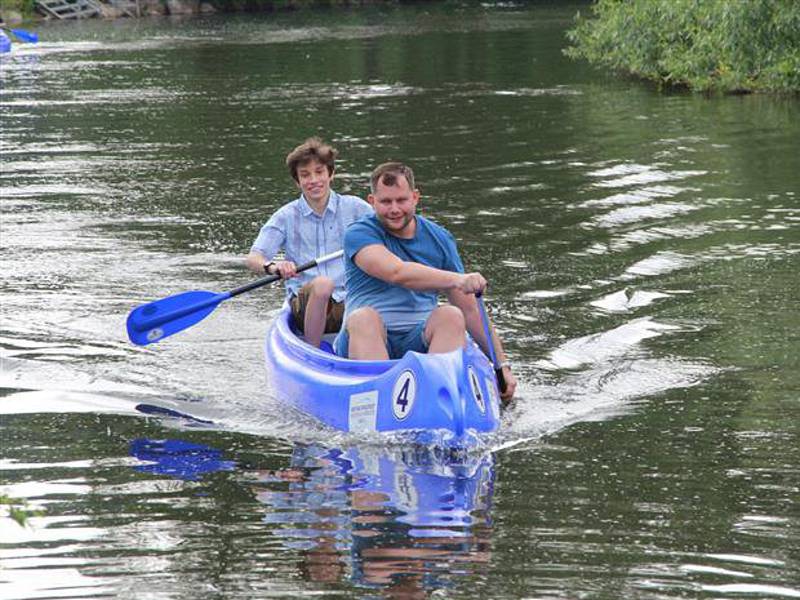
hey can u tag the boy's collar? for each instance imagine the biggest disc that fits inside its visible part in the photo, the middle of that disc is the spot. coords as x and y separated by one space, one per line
332 204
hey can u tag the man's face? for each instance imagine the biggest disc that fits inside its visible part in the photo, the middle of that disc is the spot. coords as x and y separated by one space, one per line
314 181
395 206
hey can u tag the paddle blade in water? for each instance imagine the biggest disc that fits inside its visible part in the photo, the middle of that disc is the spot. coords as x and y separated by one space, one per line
156 320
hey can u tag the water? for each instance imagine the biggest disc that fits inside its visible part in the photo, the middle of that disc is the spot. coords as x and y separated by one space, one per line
642 249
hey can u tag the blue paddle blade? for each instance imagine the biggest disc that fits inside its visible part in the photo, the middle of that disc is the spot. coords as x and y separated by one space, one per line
25 36
156 320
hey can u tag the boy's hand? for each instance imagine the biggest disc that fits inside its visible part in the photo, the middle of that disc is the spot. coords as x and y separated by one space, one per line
286 269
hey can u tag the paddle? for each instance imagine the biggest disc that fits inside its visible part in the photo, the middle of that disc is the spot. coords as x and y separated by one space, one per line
25 36
498 370
156 320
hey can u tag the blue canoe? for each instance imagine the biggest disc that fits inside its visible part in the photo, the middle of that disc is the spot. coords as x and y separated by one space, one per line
455 392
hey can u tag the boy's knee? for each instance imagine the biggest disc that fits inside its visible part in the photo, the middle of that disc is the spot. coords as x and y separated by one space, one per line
322 286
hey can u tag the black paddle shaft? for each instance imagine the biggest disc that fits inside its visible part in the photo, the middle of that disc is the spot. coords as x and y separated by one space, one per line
501 380
271 278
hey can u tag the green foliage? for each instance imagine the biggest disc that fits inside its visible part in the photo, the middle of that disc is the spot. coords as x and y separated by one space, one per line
19 513
707 45
25 7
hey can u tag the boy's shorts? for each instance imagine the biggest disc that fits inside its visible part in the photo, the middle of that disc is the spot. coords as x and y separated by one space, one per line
334 310
397 342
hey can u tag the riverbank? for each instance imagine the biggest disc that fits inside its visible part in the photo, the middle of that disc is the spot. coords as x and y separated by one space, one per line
14 12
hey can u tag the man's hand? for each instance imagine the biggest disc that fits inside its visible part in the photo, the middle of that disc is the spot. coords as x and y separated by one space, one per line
472 283
511 385
286 269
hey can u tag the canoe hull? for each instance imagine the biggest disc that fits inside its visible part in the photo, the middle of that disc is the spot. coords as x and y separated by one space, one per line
455 391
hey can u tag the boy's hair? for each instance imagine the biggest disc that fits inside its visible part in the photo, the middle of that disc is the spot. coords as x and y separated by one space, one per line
312 149
387 174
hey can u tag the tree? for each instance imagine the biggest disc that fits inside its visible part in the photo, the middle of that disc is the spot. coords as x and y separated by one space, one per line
706 45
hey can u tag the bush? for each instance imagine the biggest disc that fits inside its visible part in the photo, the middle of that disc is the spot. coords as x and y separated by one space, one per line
707 45
17 510
24 7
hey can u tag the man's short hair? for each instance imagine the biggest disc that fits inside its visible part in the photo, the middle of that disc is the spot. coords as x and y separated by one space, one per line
387 174
312 149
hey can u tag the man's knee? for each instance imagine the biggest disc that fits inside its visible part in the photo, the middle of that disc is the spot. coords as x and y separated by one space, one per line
363 320
449 316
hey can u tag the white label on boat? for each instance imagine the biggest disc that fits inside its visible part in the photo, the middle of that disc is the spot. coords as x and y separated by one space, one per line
363 411
491 385
477 392
404 394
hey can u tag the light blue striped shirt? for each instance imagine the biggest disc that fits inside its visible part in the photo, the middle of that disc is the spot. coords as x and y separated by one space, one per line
304 235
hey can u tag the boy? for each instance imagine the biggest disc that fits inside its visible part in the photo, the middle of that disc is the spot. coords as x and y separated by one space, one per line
310 226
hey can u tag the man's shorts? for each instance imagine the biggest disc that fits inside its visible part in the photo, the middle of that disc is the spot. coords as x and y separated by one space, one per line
397 342
334 311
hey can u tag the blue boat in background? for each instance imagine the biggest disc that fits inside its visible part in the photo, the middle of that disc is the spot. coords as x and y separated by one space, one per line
20 34
5 42
455 392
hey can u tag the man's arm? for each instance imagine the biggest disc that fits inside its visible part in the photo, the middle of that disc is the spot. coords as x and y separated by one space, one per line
469 307
375 260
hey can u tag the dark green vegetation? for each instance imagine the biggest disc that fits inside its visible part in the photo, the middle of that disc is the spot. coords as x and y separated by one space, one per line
707 45
23 6
16 511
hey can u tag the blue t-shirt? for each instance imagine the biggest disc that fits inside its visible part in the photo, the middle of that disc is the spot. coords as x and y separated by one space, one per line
400 308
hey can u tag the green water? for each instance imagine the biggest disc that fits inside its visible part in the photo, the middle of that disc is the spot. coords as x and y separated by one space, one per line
642 251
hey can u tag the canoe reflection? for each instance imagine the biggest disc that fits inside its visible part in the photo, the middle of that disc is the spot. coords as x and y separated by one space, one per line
407 521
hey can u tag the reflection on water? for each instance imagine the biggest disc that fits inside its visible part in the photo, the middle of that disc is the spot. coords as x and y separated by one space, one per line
407 521
403 521
178 458
642 250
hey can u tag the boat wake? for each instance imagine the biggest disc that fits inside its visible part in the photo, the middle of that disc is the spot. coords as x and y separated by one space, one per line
593 377
597 377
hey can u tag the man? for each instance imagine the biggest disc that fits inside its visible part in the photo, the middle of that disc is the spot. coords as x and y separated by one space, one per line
396 264
308 227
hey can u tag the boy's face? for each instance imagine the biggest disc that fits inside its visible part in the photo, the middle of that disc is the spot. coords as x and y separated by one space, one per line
314 180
